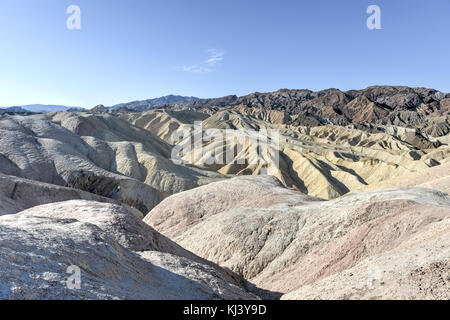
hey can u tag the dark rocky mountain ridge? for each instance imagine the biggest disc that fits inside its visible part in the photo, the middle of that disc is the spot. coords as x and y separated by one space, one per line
427 110
154 103
419 108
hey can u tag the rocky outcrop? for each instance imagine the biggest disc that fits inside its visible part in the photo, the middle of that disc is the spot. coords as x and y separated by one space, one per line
177 214
18 194
154 103
118 257
114 219
299 243
215 102
127 191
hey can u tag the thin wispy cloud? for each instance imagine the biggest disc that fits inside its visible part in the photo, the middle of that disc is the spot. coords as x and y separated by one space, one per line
215 57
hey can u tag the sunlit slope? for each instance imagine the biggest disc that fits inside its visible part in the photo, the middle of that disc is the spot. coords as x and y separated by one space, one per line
324 161
101 154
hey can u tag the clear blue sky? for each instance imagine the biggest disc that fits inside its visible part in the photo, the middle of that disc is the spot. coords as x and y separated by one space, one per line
139 49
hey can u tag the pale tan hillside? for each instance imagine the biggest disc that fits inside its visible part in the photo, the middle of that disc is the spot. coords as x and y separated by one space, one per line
163 123
128 157
326 161
437 178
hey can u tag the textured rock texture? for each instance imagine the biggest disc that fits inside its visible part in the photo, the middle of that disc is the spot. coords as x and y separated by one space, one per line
38 246
127 157
325 161
299 243
179 213
101 154
75 186
420 108
17 194
436 178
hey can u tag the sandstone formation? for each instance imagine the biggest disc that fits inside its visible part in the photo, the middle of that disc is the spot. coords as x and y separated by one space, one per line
324 161
436 178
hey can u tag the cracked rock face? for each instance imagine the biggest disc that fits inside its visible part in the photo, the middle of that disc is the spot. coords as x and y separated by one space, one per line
39 245
299 246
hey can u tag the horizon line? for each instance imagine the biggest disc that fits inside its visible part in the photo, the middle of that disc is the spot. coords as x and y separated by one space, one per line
218 97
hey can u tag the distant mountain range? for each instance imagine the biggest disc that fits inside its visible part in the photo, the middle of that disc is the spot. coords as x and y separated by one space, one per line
38 108
141 105
155 103
422 108
13 110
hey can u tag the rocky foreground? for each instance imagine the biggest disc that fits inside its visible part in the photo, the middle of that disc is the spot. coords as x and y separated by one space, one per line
286 242
118 255
253 239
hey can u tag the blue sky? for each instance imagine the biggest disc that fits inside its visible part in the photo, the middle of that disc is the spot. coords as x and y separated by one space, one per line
139 49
